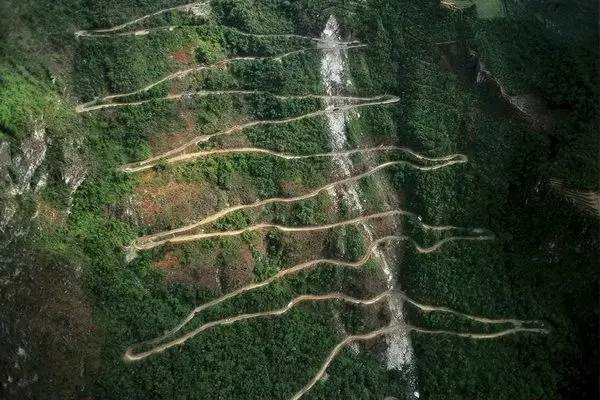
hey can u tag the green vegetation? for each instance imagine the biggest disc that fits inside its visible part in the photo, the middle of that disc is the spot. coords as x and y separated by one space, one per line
209 52
542 264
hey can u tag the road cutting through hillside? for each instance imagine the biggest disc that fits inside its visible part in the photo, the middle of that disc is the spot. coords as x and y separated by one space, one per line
186 233
409 328
132 355
257 150
150 241
337 263
201 9
281 228
131 168
194 7
151 161
93 106
347 341
106 101
170 28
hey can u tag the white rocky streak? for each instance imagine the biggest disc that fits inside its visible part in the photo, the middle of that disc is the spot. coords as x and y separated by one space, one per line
200 9
333 66
75 170
17 174
41 183
336 80
33 152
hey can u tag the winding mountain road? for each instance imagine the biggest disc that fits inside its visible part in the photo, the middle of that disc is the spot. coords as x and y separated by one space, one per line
195 7
130 168
142 350
151 161
263 226
132 355
160 238
201 8
338 263
390 328
108 101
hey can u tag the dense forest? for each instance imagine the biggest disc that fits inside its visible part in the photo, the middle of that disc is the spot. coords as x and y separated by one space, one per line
127 125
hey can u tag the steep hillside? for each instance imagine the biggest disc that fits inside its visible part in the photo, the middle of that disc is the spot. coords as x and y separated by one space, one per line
265 199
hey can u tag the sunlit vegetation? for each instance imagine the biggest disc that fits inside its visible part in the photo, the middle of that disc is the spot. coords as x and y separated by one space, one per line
541 265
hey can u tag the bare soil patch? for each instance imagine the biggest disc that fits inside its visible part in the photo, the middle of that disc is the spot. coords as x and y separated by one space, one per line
170 261
49 215
172 203
202 271
166 141
239 272
303 246
183 56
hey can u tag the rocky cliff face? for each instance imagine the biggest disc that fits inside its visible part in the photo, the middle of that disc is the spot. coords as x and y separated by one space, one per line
45 318
21 172
24 172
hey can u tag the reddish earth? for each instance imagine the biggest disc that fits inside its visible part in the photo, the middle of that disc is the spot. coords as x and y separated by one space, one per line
163 142
247 256
148 176
183 56
241 272
205 274
50 214
168 262
302 246
209 278
161 204
149 208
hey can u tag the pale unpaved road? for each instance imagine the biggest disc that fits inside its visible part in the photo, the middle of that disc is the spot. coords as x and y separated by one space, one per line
132 355
477 236
345 342
263 226
190 7
157 239
165 156
87 107
197 8
130 168
178 235
170 28
107 101
390 328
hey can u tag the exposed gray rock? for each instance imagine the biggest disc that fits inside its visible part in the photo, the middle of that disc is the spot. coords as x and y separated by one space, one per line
17 173
8 211
25 164
75 168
